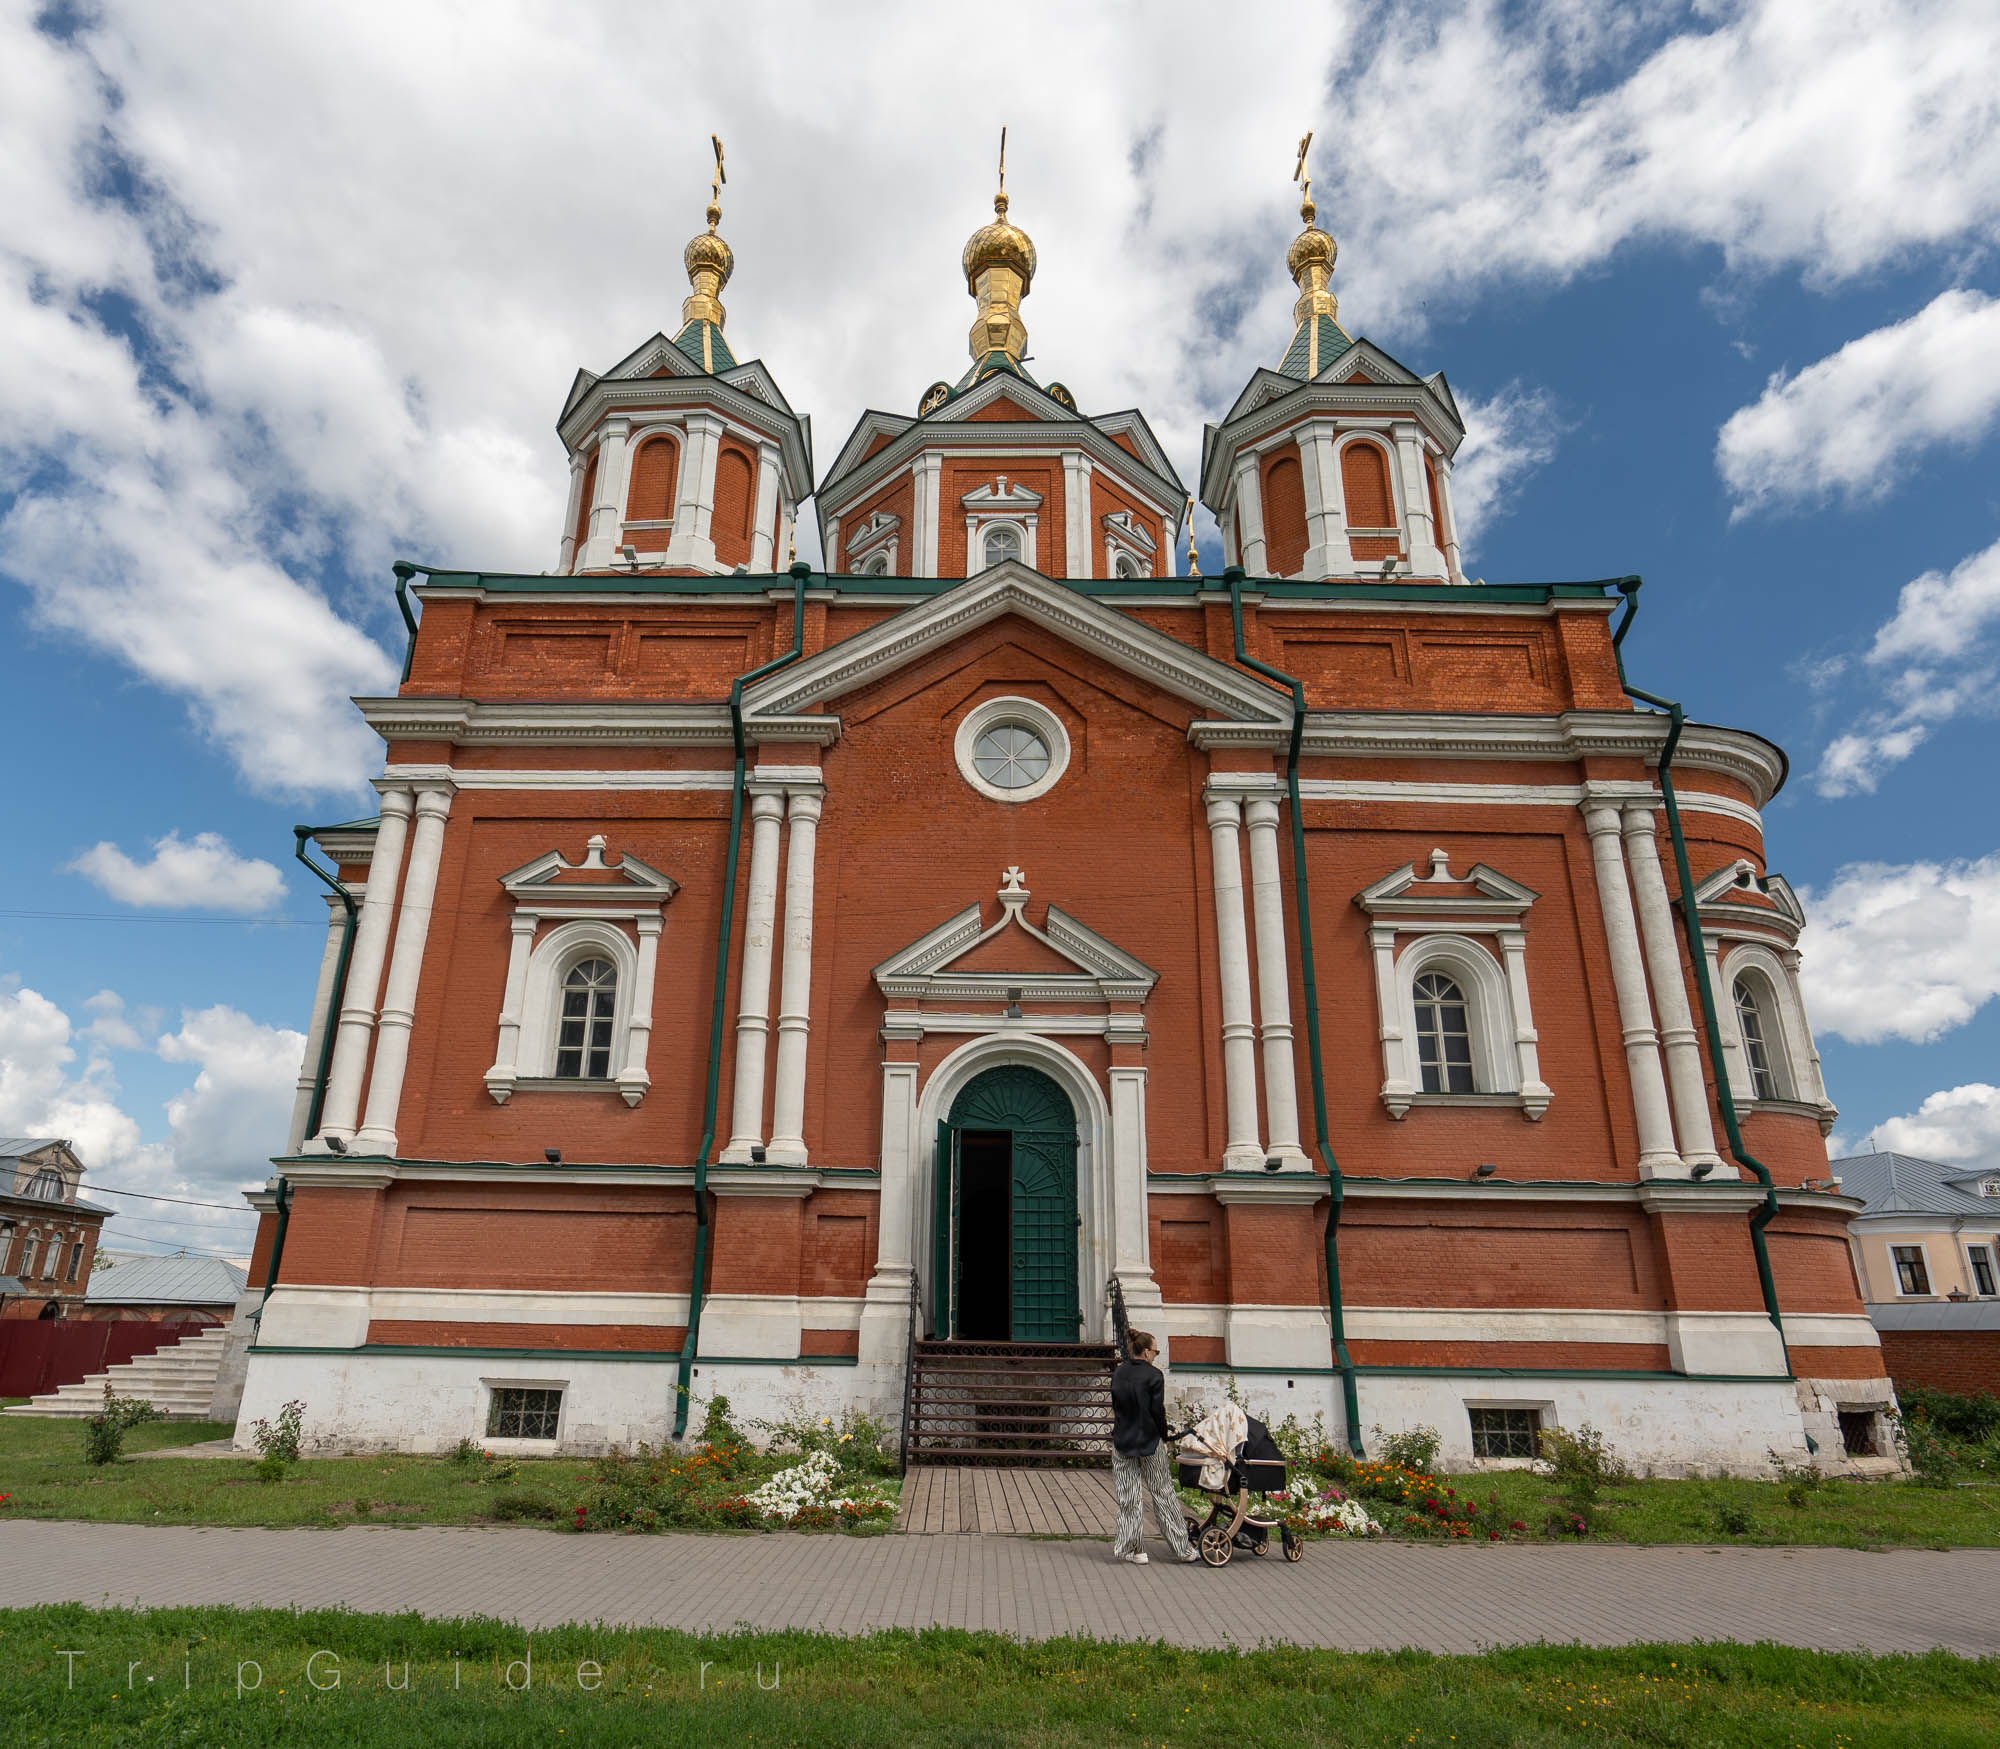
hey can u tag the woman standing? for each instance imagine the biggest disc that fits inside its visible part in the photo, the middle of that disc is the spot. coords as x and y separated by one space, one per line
1140 1467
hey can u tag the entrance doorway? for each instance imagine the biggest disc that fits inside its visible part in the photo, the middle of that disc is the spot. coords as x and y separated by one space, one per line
1005 1264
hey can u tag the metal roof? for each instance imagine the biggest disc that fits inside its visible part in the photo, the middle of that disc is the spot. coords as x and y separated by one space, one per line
1893 1184
139 1279
17 1147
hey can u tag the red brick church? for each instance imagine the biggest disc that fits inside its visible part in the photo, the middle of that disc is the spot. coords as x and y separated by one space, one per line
749 962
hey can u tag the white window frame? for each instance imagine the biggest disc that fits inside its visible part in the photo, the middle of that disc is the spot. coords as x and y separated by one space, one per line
1029 714
1788 1044
52 1260
1024 538
30 1250
1896 1272
1988 1250
875 542
523 1447
622 921
1430 922
1544 1413
1125 539
1000 505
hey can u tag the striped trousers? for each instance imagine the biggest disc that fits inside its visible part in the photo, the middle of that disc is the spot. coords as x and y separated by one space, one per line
1136 1480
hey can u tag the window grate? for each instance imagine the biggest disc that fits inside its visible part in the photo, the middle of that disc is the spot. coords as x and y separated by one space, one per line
583 1040
1444 1037
1857 1431
518 1413
1506 1433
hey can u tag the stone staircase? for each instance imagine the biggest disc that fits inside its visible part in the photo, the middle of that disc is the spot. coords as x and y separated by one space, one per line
1010 1403
178 1380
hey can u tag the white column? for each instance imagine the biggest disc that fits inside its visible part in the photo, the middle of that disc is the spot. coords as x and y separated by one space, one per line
1241 1151
1686 1080
885 1314
1267 908
399 996
694 505
1426 558
607 509
1535 1095
1657 1158
573 508
788 1102
1076 514
753 1006
928 473
831 560
1127 1226
506 1070
1397 1087
341 1109
781 552
1327 552
322 1018
634 1078
766 513
1448 535
1249 516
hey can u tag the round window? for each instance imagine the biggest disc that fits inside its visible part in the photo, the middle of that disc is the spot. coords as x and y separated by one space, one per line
1012 749
1010 756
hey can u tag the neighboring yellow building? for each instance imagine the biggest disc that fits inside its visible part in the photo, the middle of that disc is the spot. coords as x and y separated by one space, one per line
1927 1251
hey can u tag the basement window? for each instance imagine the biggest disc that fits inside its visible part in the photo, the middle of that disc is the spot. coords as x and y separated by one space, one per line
1857 1432
1506 1433
523 1414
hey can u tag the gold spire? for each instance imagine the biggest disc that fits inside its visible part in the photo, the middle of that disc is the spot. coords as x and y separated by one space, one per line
1312 254
1194 558
708 259
999 263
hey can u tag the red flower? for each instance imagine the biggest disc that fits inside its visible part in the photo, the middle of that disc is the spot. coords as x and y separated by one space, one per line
1493 1536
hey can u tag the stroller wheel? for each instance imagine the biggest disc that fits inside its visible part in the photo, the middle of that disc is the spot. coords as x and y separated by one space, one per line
1261 1549
1215 1545
1194 1530
1295 1546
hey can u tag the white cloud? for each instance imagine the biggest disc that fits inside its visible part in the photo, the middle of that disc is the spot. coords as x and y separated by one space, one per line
203 873
1905 950
1960 1125
1857 422
223 1128
288 292
110 1027
1506 439
1934 659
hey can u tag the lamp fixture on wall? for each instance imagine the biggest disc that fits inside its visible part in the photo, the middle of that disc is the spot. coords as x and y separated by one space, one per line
336 1144
1485 1169
1013 1004
1701 1169
757 1155
553 1156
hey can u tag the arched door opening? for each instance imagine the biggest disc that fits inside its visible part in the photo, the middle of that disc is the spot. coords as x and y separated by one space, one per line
1005 1266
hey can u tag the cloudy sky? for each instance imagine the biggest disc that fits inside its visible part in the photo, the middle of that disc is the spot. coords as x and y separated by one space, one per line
287 292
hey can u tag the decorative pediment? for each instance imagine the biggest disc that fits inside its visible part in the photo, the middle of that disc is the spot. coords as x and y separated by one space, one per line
1011 588
1062 959
873 530
552 885
1482 893
1001 499
1126 531
1736 893
1365 359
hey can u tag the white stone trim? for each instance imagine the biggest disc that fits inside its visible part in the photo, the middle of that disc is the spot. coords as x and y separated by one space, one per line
753 1010
788 1146
1030 714
1274 1029
1125 538
1798 1056
340 1110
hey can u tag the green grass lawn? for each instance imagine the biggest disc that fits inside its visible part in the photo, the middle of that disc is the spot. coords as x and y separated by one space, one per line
203 1677
1846 1514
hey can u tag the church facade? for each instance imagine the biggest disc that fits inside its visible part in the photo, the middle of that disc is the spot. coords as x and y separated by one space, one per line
751 967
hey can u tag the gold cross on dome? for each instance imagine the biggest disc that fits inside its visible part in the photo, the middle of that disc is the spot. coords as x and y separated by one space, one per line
721 175
1003 160
1299 169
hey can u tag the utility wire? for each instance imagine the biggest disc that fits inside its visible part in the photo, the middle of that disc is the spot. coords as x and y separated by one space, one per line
148 1196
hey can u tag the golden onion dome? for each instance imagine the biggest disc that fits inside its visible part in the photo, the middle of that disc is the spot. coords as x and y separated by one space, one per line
998 244
1311 246
707 251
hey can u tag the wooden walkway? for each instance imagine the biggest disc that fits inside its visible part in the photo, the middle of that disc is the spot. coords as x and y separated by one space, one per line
1000 1500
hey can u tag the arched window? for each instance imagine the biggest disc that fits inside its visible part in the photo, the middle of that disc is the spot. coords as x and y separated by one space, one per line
53 1267
1444 1035
729 524
28 1252
583 1037
878 566
46 1184
1001 542
651 496
1285 534
75 1261
1126 566
1763 1047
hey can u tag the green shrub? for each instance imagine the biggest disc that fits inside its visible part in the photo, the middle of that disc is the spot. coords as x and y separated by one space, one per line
280 1439
1409 1448
271 1469
519 1508
1580 1464
1934 1459
104 1432
1733 1520
858 1441
1800 1481
1968 1420
466 1451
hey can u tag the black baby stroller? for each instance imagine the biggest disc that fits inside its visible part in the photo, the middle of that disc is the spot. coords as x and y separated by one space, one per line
1240 1458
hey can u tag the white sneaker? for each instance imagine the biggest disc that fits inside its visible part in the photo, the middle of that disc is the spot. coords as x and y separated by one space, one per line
1138 1560
1191 1555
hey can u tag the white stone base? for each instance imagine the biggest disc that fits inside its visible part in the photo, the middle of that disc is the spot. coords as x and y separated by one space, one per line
1660 1426
368 1402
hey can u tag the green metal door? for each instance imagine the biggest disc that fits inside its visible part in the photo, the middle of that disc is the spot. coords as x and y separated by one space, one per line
1043 1222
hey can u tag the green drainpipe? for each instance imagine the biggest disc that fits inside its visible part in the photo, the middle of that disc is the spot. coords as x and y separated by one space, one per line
698 1285
404 572
335 995
1767 1210
277 1256
1350 1398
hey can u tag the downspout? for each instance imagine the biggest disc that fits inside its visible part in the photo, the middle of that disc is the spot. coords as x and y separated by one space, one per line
404 572
277 1256
698 1283
338 990
1350 1397
1767 1210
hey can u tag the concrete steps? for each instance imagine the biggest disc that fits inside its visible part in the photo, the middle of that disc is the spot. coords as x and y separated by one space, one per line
179 1381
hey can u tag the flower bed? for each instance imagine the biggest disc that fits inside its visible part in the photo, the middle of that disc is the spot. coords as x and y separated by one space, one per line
1312 1507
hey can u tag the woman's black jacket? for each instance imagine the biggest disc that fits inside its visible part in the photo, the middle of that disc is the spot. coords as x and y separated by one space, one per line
1139 1409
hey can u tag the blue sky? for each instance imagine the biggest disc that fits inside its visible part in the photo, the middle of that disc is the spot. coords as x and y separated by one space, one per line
297 294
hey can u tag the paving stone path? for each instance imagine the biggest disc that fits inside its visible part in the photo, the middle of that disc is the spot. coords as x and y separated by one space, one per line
1353 1595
